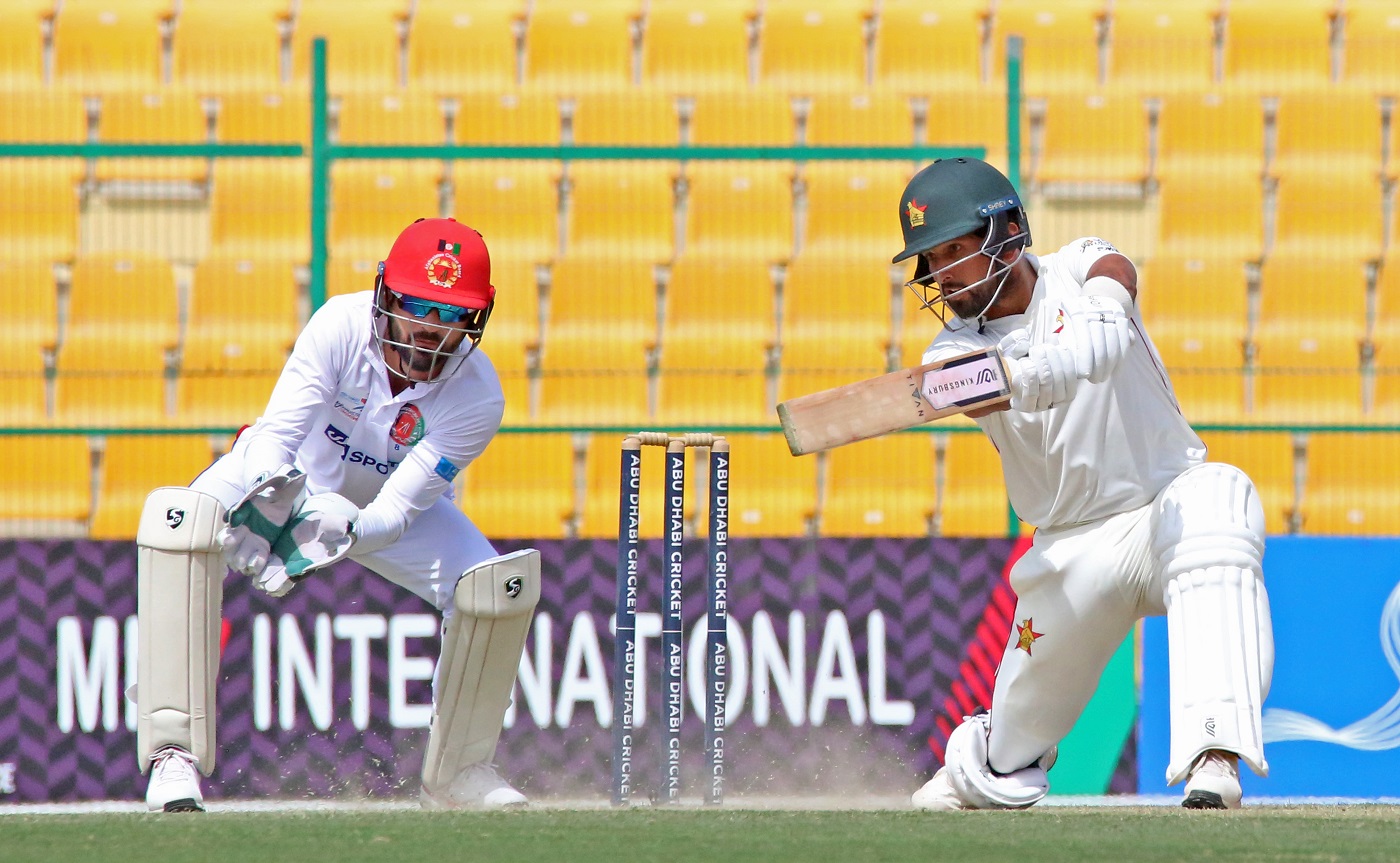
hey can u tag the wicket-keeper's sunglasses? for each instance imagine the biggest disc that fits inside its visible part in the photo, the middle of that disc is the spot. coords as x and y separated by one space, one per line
420 308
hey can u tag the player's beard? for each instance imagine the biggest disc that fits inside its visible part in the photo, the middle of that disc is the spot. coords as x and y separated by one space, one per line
431 356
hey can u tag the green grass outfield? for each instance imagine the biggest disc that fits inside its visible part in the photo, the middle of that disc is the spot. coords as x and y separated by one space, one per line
1311 833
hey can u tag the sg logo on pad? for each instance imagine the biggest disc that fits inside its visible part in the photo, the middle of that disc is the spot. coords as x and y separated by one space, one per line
514 585
174 517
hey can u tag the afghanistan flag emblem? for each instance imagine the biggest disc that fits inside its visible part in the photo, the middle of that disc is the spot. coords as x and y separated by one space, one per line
454 248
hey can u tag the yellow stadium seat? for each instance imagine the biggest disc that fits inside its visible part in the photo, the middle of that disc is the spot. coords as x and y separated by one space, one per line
741 210
1333 214
1210 134
38 209
602 474
514 327
24 402
222 400
771 493
621 209
1273 48
224 48
640 117
972 498
371 202
1385 330
810 48
871 118
976 119
391 118
880 487
1371 47
30 299
513 203
1289 295
1061 44
116 297
848 207
1211 216
738 119
1195 310
461 48
1210 395
362 50
903 31
133 465
835 324
1267 458
507 118
1092 140
267 117
506 501
1385 400
103 47
57 487
169 117
696 47
261 208
1353 485
41 115
1326 131
22 48
918 328
242 317
515 386
578 48
1157 48
351 275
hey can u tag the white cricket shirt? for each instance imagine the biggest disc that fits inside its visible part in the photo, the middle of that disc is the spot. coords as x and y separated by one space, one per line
1115 445
333 416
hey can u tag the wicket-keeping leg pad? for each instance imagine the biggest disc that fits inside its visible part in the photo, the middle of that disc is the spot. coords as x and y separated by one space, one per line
179 602
481 647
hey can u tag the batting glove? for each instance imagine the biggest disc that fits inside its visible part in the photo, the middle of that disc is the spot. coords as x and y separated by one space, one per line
1101 333
1045 377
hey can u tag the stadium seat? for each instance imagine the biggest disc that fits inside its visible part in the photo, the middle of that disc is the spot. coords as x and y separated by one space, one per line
21 49
1195 310
31 301
38 209
1267 458
391 118
741 210
972 497
242 316
371 202
577 48
598 518
261 208
1094 140
696 47
133 465
168 117
507 118
508 502
1371 47
848 208
810 48
362 50
835 325
637 117
455 49
869 118
621 209
1211 216
1210 134
222 400
1157 49
57 487
41 115
1061 44
351 275
105 47
743 119
1210 395
905 29
974 119
222 48
1332 130
267 117
1352 486
772 493
918 326
1273 48
1329 214
1385 328
880 487
513 203
514 328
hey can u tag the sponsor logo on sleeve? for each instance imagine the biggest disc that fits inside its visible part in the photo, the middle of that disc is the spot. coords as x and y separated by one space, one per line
446 469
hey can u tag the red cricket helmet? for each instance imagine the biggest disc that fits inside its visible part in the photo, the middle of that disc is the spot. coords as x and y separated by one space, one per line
441 260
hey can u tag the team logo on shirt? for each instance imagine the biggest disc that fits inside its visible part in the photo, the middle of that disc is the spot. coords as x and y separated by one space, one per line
915 213
443 269
1026 636
408 426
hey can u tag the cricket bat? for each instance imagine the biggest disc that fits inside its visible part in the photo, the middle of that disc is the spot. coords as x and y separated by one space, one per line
898 400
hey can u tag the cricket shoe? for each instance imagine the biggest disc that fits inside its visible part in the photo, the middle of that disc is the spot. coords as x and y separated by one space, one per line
937 795
478 786
174 782
1214 782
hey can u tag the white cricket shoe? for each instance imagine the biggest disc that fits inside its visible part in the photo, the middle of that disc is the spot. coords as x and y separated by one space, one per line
937 795
174 782
478 786
1214 782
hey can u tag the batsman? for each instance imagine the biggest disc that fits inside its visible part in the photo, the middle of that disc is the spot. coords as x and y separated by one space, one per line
384 399
1131 520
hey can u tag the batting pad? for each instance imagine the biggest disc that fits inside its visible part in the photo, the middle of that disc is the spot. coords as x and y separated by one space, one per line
481 647
179 600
